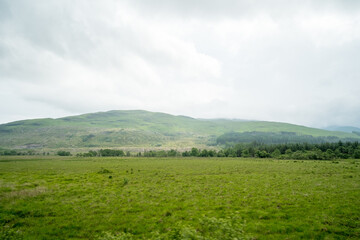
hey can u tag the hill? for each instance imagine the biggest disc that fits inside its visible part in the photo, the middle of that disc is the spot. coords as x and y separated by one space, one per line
138 129
348 129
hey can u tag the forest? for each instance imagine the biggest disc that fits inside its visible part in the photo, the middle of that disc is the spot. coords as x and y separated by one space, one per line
300 151
231 138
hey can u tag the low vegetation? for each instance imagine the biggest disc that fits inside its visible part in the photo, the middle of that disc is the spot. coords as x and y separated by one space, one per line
178 198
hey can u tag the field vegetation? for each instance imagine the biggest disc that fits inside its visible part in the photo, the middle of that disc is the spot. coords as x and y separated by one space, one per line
70 197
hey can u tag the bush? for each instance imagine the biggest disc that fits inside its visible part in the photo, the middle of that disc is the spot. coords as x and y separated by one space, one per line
63 153
194 152
111 153
103 170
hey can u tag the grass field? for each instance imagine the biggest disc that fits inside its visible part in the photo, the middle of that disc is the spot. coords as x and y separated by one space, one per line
178 198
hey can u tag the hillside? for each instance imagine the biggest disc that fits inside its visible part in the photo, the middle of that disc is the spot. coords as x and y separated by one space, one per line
348 129
136 128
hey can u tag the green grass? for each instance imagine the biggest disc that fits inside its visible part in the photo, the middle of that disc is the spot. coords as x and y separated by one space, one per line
135 129
175 198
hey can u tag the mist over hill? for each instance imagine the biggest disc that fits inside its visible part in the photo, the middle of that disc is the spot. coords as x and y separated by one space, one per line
349 129
144 129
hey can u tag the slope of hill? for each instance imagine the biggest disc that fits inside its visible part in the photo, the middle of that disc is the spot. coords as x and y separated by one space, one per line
136 128
348 129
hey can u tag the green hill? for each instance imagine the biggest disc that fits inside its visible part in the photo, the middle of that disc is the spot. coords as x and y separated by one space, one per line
349 129
137 128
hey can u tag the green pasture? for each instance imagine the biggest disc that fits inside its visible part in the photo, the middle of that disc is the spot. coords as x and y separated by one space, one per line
178 198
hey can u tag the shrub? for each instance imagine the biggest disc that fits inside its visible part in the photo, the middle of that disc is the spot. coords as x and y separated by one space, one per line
63 153
103 170
125 182
111 153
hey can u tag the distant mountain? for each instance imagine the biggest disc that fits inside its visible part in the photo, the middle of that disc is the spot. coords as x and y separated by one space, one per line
137 128
348 129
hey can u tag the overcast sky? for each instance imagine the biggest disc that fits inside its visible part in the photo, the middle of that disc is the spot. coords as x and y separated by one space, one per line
287 61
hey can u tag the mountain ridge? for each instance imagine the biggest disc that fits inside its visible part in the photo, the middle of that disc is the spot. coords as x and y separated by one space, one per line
137 128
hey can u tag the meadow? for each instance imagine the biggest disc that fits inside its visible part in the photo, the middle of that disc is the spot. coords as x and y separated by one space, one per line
178 198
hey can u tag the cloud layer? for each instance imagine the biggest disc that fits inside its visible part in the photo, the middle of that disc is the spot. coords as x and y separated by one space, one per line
293 62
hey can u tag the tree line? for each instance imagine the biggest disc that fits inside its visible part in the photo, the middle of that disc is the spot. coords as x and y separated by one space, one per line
13 152
301 151
104 153
232 138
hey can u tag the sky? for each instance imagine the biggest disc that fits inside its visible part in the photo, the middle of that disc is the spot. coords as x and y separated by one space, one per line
286 61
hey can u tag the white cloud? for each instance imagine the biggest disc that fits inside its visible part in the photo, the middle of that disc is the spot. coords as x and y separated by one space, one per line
294 62
330 29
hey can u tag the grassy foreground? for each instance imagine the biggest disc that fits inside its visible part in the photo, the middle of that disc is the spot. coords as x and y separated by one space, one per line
178 198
